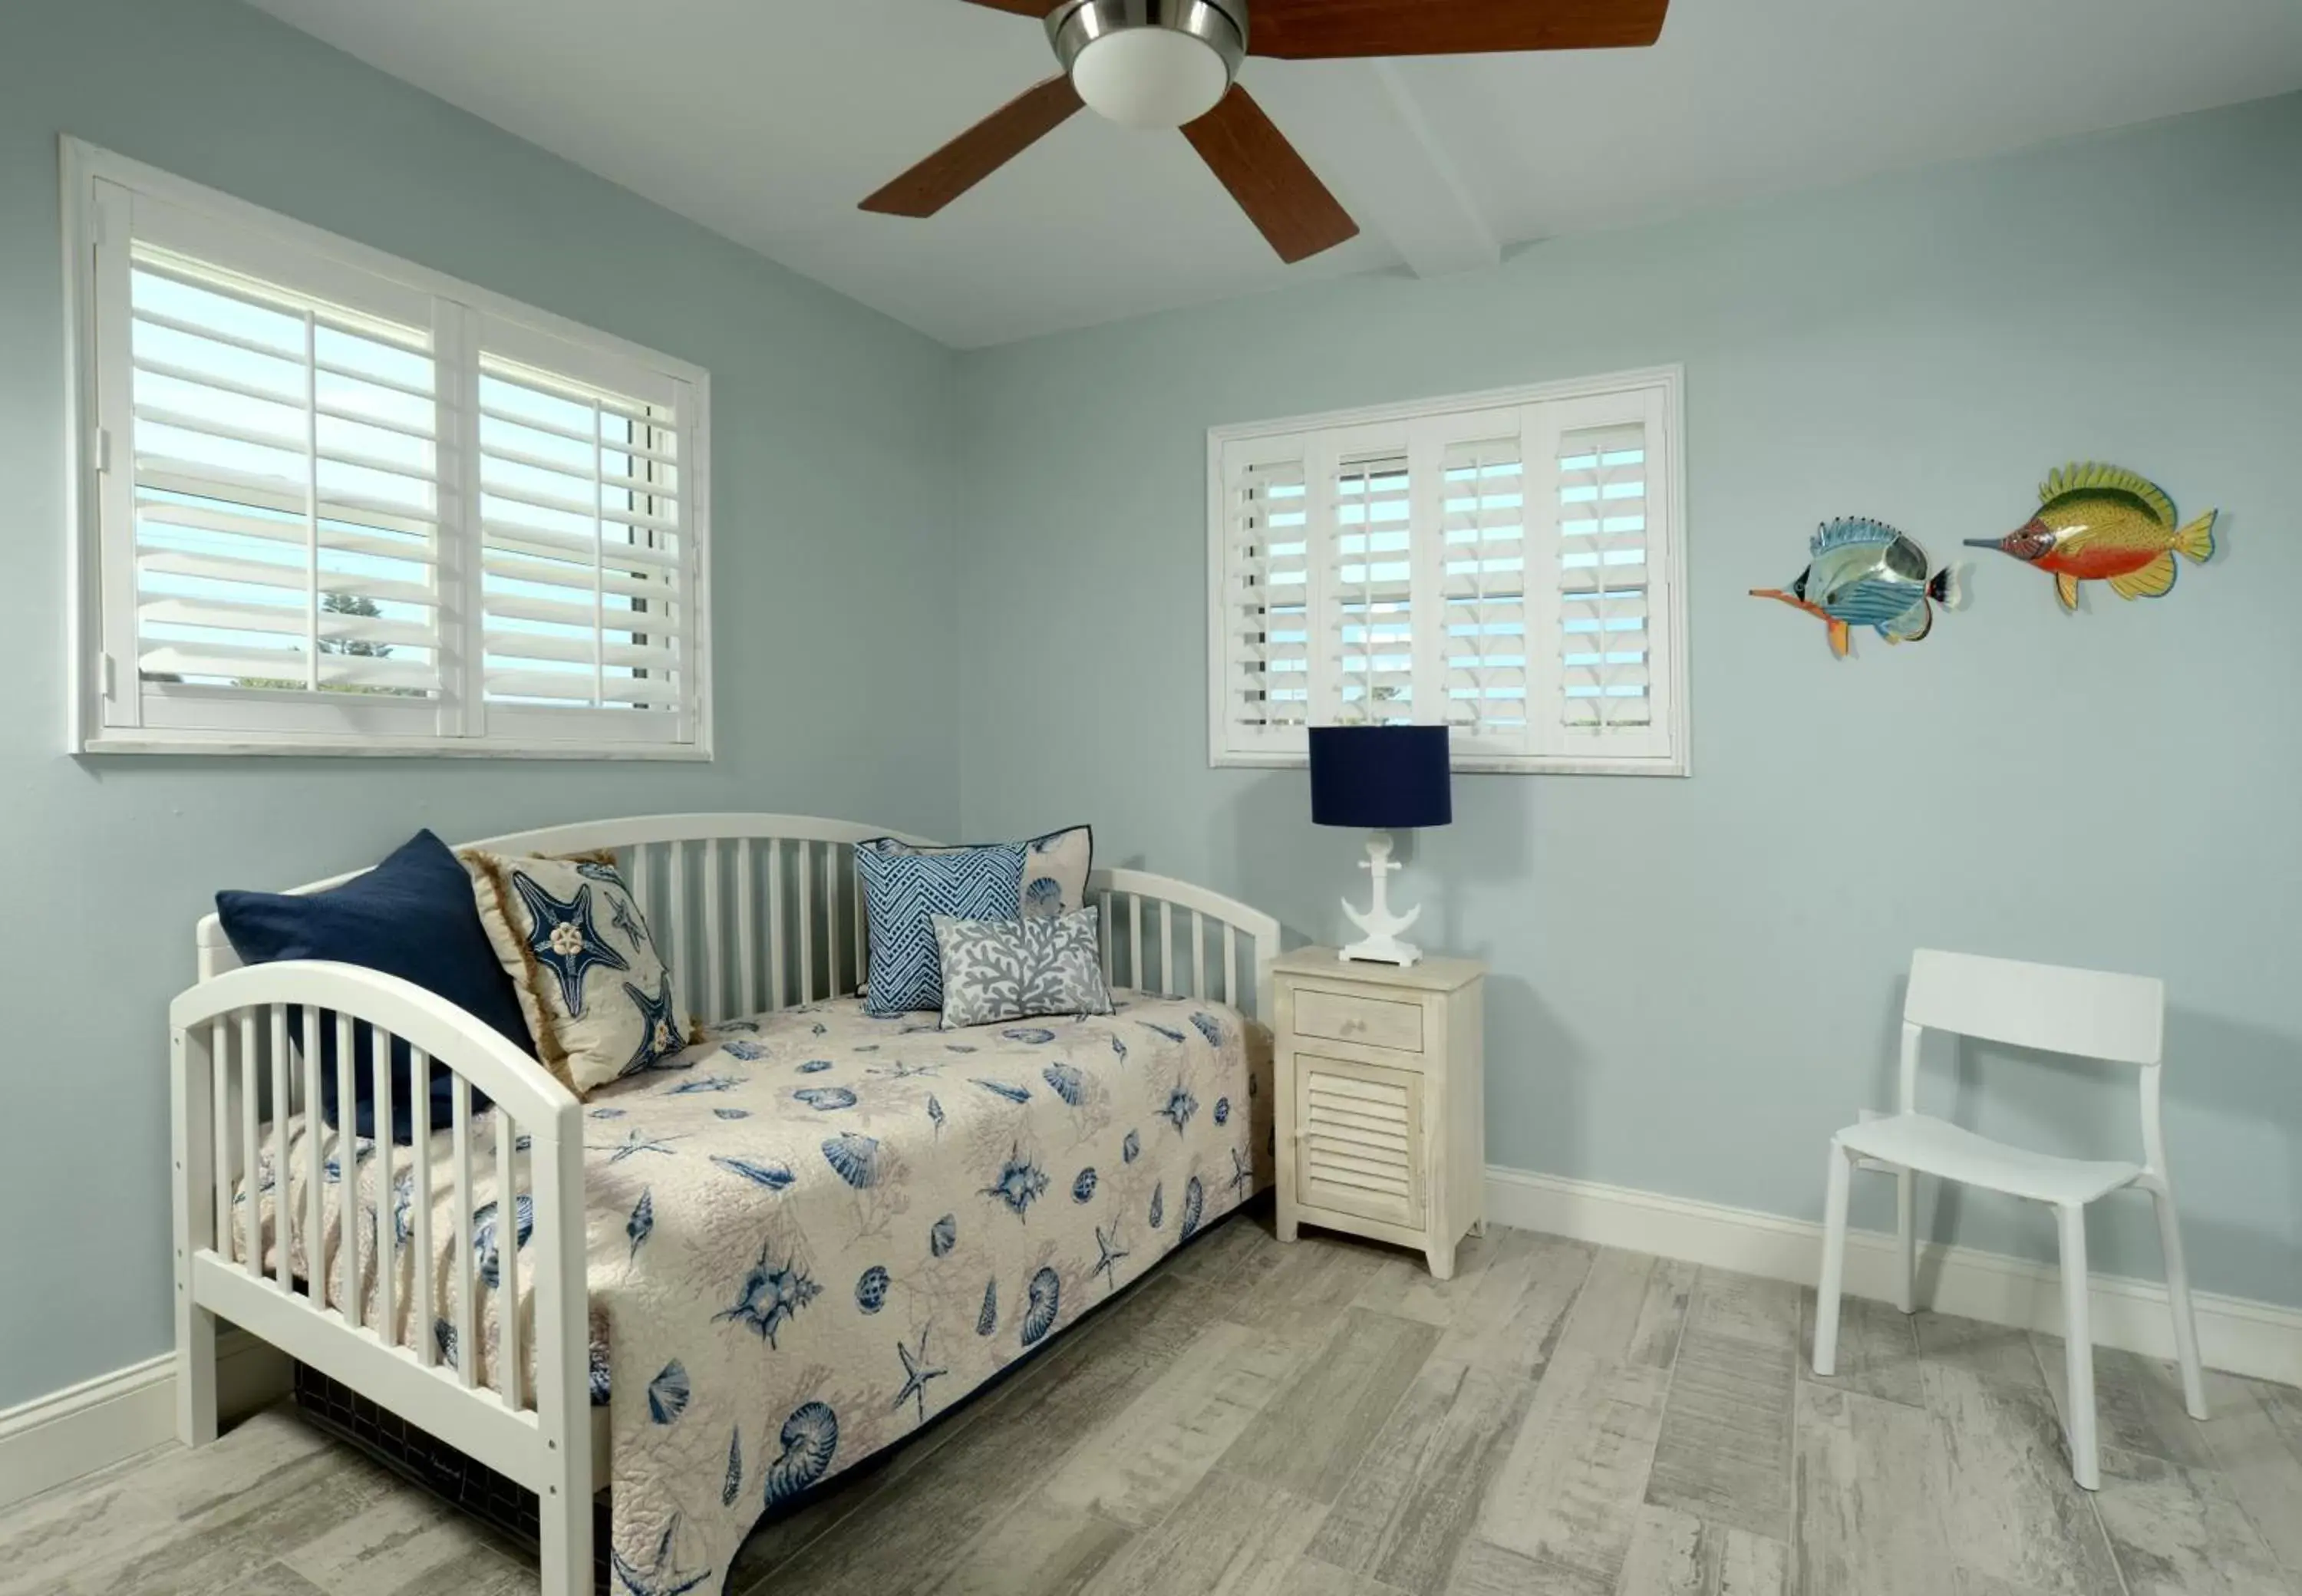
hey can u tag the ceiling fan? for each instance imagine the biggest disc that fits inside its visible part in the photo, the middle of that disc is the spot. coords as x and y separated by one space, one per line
1174 63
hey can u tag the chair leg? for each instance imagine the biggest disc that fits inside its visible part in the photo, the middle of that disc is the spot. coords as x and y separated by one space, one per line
1906 1242
2077 1347
1834 1262
2178 1298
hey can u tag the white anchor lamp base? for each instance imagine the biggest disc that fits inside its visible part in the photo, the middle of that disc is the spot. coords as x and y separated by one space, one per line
1382 943
1379 779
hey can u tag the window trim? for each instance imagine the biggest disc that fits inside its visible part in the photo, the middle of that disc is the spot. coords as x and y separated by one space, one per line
82 165
1669 380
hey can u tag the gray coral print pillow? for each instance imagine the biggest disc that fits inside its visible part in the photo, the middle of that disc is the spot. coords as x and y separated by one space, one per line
995 970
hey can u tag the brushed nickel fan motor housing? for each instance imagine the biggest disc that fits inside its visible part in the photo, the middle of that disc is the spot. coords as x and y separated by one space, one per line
1220 25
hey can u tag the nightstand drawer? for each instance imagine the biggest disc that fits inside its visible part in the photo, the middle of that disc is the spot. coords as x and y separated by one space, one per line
1359 1146
1370 1022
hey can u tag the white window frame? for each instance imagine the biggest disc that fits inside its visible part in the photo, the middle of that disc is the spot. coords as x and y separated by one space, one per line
99 671
1323 436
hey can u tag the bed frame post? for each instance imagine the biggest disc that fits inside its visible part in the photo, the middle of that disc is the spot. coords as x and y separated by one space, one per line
563 1369
193 1133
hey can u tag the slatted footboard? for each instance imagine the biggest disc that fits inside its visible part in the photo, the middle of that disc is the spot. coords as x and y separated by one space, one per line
237 1082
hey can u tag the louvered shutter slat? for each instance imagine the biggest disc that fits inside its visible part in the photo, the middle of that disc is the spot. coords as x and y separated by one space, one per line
248 667
233 616
168 481
513 684
510 537
335 454
567 581
537 645
185 518
216 571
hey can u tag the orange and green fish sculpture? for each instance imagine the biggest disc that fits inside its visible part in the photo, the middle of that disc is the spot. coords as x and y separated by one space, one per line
2099 523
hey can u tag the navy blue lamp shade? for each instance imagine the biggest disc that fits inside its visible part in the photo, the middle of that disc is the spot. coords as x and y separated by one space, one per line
1380 778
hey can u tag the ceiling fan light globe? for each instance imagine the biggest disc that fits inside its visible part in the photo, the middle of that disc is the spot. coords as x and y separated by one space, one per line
1150 77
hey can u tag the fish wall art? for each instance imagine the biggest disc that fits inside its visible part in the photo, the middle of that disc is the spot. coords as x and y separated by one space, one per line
2098 523
1863 573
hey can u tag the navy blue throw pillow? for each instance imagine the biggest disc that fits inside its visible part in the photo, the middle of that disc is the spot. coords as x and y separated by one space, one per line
413 916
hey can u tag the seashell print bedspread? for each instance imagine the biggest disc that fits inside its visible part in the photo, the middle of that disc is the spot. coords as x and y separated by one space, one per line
814 1233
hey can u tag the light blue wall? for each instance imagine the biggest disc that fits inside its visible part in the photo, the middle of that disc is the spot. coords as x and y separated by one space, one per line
1695 981
111 861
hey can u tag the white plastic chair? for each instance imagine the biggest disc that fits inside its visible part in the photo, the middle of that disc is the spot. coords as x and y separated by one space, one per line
2111 1019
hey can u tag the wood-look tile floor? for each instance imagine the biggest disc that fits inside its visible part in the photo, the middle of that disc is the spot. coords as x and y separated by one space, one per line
1326 1420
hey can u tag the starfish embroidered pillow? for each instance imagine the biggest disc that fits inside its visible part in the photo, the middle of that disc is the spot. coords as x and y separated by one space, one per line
596 995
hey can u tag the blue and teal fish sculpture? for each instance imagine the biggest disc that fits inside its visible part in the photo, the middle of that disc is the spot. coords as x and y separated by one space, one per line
1863 573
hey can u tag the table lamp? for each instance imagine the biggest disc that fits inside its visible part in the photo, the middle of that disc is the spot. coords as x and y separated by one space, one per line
1382 778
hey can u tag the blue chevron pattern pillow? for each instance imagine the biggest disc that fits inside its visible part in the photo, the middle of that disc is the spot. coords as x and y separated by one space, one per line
1055 867
902 894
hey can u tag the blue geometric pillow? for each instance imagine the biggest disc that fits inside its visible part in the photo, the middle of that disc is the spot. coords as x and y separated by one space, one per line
1055 868
902 893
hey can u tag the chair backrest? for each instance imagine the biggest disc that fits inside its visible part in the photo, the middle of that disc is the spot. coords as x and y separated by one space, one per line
2089 1013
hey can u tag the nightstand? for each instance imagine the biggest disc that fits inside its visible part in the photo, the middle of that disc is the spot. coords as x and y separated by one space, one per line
1382 1100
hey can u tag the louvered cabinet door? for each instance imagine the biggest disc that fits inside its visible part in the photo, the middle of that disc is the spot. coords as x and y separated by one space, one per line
1359 1146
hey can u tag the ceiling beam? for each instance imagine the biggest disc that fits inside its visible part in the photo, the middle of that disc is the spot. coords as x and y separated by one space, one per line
1396 176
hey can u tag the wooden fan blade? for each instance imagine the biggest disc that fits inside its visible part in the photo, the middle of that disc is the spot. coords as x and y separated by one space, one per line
1322 30
1280 195
979 152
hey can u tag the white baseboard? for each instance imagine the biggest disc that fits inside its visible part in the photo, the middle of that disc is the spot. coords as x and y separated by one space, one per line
2235 1334
97 1423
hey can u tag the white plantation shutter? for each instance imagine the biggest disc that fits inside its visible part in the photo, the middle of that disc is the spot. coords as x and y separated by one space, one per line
1484 544
337 503
1261 641
1602 577
586 613
1368 608
1608 623
1506 567
279 490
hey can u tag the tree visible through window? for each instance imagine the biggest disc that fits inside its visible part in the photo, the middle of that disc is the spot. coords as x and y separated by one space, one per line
351 604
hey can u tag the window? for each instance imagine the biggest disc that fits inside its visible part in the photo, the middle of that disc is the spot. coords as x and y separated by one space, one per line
1507 564
333 502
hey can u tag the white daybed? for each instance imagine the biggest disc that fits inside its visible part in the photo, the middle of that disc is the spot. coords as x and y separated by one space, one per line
756 915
